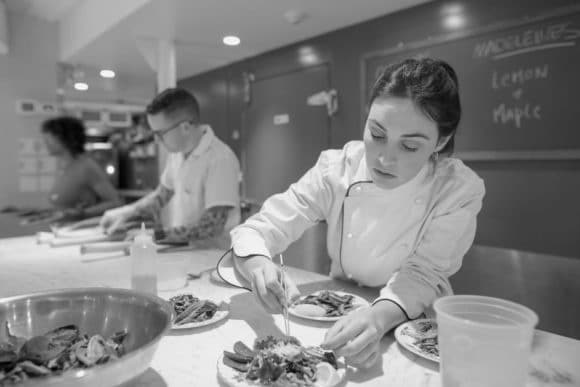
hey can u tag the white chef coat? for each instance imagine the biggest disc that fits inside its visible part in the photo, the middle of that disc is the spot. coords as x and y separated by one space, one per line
208 177
408 240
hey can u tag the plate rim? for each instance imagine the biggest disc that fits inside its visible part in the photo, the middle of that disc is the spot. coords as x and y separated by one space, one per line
326 318
411 348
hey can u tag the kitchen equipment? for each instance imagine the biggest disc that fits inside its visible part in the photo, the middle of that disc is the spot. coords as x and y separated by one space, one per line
103 311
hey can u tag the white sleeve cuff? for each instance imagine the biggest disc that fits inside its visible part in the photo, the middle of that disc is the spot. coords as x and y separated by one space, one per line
247 241
411 306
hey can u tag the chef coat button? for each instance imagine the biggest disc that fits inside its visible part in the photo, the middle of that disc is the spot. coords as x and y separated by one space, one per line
358 189
349 276
349 235
419 201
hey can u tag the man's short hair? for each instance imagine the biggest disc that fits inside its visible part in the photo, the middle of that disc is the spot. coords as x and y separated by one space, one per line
173 100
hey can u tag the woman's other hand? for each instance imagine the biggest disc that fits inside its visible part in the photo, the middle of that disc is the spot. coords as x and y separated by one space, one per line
357 336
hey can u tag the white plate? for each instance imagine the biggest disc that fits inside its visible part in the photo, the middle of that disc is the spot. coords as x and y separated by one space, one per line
232 378
220 314
408 333
357 302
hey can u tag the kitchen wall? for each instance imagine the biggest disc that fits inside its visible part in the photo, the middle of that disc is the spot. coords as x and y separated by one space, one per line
529 205
28 71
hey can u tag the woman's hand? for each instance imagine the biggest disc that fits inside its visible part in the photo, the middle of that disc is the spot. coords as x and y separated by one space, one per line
265 278
357 336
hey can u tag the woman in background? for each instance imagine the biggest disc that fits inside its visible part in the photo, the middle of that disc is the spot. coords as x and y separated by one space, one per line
81 189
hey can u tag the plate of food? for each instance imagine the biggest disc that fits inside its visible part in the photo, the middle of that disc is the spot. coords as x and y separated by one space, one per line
192 312
420 337
326 305
280 362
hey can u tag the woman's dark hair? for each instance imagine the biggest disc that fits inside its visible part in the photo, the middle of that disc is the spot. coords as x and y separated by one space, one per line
70 131
433 87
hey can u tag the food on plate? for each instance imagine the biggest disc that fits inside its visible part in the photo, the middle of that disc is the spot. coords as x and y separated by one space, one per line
420 337
421 329
282 362
54 352
428 345
190 309
334 304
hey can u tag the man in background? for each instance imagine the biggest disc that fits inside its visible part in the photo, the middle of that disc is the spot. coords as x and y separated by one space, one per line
200 182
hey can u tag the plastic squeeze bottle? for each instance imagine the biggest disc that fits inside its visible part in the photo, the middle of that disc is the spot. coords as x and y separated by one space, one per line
143 258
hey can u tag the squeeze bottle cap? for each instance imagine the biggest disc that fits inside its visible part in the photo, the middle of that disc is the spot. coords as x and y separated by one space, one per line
143 236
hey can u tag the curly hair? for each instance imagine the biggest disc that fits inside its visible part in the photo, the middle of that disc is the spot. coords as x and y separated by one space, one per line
173 100
432 85
70 131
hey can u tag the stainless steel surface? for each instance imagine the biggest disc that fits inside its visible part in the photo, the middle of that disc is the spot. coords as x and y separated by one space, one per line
101 311
547 284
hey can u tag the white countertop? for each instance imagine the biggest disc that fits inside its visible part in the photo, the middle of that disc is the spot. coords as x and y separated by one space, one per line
188 358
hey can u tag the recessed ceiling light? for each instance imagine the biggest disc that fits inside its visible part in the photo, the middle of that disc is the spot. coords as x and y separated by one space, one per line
107 73
454 21
81 86
231 40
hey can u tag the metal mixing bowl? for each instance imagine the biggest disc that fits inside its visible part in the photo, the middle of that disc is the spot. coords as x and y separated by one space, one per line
101 311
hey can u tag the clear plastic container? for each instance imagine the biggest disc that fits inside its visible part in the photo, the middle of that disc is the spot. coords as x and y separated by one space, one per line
143 263
484 341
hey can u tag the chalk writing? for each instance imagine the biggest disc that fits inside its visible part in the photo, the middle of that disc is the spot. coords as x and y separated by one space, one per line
505 115
518 77
552 36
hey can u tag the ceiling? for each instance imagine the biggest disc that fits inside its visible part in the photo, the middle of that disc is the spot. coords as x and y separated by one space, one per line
197 27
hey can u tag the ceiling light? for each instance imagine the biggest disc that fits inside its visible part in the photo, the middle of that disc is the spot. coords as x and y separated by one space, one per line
454 16
231 40
308 56
454 21
107 73
81 86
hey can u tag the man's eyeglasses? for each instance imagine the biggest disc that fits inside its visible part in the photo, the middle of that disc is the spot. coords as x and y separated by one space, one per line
161 133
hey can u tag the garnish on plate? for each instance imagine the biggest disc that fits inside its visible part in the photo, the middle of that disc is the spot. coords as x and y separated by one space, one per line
280 362
428 345
333 303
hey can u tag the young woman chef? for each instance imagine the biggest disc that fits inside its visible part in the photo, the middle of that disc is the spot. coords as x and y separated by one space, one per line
401 212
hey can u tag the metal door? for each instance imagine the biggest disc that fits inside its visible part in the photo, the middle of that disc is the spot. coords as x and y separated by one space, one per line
282 138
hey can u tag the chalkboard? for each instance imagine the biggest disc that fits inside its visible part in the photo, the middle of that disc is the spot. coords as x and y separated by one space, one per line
519 82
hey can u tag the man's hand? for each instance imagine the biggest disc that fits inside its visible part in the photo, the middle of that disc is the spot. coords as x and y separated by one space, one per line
113 221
